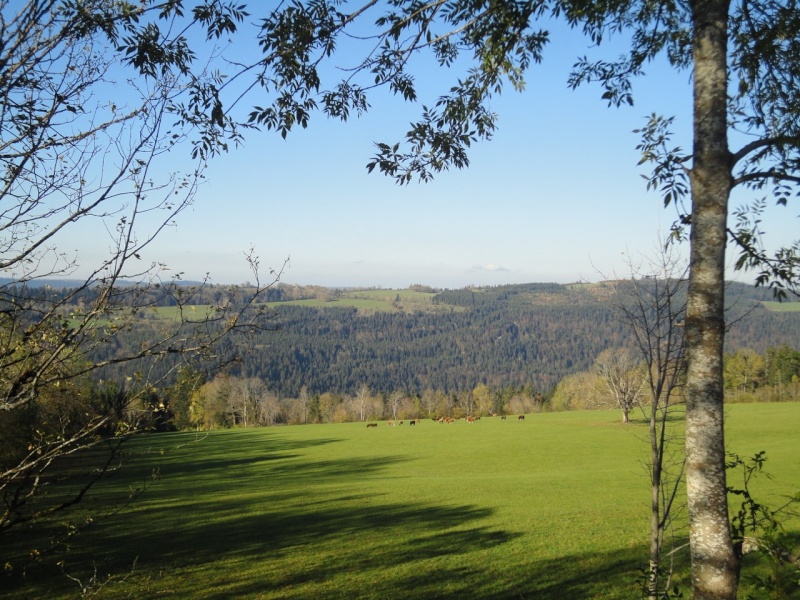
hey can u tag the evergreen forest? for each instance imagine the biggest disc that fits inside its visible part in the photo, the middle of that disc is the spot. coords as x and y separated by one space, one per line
531 335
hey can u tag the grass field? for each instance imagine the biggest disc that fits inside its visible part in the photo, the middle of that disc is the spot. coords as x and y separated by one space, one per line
550 508
781 306
370 301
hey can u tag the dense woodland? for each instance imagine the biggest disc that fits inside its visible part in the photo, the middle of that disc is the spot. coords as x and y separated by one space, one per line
508 336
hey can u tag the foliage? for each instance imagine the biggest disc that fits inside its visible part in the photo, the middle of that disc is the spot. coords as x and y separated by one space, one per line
758 527
580 391
618 369
73 162
746 370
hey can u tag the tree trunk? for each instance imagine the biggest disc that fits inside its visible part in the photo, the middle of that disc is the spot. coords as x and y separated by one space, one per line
715 566
657 463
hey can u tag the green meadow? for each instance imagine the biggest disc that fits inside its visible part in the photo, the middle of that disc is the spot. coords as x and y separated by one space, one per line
552 507
370 301
775 306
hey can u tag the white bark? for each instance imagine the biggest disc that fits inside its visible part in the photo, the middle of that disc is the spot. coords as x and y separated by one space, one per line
714 564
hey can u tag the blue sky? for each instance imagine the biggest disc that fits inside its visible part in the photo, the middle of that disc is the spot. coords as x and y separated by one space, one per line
555 196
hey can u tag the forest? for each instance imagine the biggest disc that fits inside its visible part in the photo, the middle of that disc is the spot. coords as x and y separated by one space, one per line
530 335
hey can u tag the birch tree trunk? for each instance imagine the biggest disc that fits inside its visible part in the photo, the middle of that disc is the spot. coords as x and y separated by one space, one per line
714 564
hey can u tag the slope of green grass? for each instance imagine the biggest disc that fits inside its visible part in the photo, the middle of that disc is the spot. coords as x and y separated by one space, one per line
364 304
371 301
553 507
781 306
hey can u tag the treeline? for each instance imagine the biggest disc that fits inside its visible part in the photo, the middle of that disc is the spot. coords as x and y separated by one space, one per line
167 294
229 401
499 350
198 401
772 376
500 295
749 376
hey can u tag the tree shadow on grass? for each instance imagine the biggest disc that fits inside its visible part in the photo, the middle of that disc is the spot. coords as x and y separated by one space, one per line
151 464
345 547
192 455
362 539
287 528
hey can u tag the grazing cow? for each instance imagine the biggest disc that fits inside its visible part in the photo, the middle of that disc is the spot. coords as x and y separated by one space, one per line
470 419
400 423
390 423
371 425
521 418
412 422
503 418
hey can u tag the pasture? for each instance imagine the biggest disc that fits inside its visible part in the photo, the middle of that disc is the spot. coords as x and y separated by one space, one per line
787 306
548 508
372 301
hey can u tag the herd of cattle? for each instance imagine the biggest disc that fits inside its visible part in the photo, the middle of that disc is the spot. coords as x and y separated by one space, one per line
442 420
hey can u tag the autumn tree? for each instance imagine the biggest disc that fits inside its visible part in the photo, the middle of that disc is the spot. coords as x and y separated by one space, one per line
466 402
579 391
304 401
434 402
484 399
521 403
209 407
618 369
743 370
249 402
361 402
393 404
328 404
